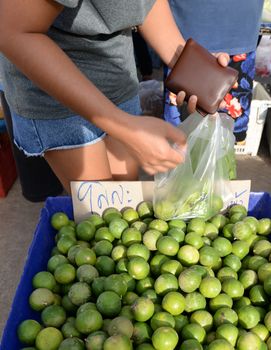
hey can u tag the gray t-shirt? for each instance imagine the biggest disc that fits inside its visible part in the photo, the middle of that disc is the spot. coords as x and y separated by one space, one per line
96 35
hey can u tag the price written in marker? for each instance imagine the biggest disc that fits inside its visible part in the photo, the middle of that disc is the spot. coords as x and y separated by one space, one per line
96 196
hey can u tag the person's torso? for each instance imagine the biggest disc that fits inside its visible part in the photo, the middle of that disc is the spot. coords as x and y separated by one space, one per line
96 35
220 25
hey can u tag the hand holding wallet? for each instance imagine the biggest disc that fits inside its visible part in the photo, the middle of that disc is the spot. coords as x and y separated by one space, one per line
197 72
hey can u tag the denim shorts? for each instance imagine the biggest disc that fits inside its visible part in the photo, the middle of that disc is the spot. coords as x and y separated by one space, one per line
36 136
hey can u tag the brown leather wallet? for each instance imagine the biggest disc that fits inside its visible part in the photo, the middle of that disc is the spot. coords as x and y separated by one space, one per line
197 72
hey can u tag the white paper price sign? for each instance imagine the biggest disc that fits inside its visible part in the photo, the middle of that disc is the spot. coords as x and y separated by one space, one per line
96 196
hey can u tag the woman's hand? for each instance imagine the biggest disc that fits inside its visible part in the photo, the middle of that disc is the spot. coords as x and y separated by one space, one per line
223 59
150 140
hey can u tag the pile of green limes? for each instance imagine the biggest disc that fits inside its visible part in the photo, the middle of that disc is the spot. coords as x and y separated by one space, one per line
126 280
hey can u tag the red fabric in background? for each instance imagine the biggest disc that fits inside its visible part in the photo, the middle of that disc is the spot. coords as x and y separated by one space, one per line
8 173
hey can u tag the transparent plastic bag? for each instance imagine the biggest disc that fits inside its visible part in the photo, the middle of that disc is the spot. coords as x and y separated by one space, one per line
199 186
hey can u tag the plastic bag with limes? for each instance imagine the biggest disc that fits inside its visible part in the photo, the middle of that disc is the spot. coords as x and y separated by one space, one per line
199 186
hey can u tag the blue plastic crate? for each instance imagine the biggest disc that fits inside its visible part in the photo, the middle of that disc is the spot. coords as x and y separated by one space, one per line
40 251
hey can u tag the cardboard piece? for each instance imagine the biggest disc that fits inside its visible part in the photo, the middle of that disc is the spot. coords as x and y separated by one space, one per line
95 196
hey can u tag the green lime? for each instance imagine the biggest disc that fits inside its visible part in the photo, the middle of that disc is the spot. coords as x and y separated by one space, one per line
138 249
220 221
105 265
180 322
189 280
240 303
191 344
256 261
252 222
55 261
65 243
40 298
241 230
248 278
103 233
117 227
142 333
237 208
233 288
96 220
165 283
126 311
188 255
109 304
66 231
261 331
258 296
210 287
88 321
165 338
117 341
85 256
225 315
79 293
138 268
176 233
150 238
159 225
119 252
164 210
95 340
262 248
167 245
174 303
226 272
69 330
193 331
196 225
172 266
156 263
68 305
65 273
59 220
267 285
151 294
222 300
233 262
121 325
223 246
208 256
240 249
103 247
248 316
72 344
237 217
194 239
85 230
145 210
264 272
228 332
203 318
53 316
86 273
211 231
227 231
264 227
110 214
143 309
144 284
162 319
140 225
130 282
129 298
122 265
49 338
28 331
194 301
130 236
115 283
130 215
44 279
249 341
97 286
87 306
220 344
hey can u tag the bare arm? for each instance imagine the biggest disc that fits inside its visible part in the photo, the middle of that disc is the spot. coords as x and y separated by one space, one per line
23 40
161 32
